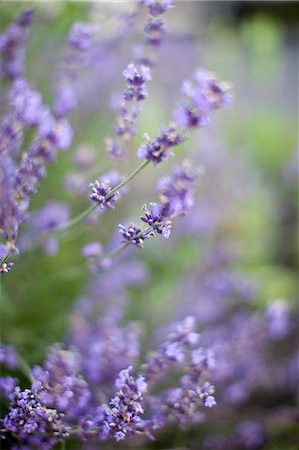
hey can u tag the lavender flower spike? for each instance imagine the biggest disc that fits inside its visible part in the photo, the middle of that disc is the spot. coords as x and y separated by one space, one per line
123 418
158 7
12 43
98 194
136 78
133 235
154 218
81 35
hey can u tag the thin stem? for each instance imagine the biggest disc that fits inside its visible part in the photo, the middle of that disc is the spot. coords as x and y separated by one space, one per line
75 220
117 250
89 210
127 180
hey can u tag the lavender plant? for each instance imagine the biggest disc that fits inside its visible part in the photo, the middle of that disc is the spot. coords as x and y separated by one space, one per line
94 387
178 343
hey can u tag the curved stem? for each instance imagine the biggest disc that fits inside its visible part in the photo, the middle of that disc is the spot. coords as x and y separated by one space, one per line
127 180
76 220
89 210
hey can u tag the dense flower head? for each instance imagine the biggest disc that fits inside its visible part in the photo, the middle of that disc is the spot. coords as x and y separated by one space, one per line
158 7
125 126
7 385
136 78
81 35
61 385
201 96
123 417
154 32
11 137
154 218
57 132
26 103
158 149
176 190
106 345
173 350
99 194
133 235
278 319
30 419
8 356
12 43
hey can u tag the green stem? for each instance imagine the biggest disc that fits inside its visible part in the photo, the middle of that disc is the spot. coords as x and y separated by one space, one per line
127 180
117 250
89 210
75 220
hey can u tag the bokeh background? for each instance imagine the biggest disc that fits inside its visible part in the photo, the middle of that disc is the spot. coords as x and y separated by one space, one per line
245 205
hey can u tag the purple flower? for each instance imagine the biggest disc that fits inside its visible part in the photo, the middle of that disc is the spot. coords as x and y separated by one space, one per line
176 190
28 418
154 32
57 132
173 350
200 97
52 216
154 219
123 417
158 150
99 193
26 103
7 385
133 235
81 35
158 7
278 319
11 137
8 356
60 384
136 78
12 43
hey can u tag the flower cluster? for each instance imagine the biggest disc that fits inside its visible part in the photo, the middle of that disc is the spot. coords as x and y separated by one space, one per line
137 74
30 420
176 195
201 96
19 178
102 190
12 46
81 39
122 418
159 149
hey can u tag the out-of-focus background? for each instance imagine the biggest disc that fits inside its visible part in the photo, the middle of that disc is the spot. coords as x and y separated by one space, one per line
246 202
